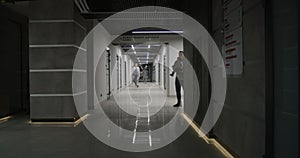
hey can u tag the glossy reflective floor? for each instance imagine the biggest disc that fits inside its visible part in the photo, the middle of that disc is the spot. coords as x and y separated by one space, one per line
19 139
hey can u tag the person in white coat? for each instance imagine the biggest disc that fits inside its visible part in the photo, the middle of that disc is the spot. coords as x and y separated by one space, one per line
136 74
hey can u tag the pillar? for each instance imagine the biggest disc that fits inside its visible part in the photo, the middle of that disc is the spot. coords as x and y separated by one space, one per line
56 31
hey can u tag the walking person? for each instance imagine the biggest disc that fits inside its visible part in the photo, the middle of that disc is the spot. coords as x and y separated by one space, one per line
136 74
178 69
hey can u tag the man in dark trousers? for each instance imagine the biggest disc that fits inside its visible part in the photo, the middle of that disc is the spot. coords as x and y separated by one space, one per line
178 69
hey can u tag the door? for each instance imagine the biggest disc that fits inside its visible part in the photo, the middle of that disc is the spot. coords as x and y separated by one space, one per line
14 94
108 76
118 71
165 72
125 73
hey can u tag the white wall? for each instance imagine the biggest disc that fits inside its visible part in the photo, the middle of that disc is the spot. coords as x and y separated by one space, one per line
117 51
101 80
114 52
156 62
175 44
100 39
160 57
128 69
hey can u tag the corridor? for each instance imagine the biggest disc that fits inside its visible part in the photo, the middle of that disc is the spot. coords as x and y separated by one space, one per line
149 78
75 141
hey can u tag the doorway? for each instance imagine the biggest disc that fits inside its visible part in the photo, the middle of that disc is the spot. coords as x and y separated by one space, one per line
14 63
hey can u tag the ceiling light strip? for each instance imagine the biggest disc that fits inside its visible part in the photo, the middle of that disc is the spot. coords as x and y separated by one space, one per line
144 12
156 32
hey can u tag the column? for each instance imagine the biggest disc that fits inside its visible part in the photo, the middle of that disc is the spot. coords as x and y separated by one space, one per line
56 31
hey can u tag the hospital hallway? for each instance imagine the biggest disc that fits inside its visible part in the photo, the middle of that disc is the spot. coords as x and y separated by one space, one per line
149 78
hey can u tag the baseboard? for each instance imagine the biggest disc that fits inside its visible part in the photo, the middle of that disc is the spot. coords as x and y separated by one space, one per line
5 118
223 149
213 136
59 121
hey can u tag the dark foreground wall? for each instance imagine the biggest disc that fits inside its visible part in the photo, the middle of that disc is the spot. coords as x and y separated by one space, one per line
14 92
284 48
241 126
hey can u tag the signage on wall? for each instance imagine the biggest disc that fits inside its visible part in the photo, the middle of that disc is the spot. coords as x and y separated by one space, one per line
232 50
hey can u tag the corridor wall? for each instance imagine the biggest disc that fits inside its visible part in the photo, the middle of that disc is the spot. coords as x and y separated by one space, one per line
100 39
167 55
241 126
175 45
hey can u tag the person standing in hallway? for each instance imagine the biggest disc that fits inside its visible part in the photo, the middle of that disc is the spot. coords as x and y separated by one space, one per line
136 74
178 69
